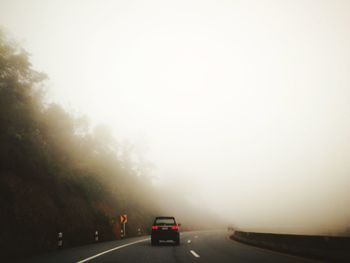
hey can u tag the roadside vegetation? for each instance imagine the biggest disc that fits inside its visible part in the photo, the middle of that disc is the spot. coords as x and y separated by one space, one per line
57 173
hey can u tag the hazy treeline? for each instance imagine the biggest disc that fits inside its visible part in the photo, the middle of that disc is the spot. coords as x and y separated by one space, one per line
56 173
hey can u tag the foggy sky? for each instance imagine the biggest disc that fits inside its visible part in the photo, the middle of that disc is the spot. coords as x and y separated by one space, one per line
242 106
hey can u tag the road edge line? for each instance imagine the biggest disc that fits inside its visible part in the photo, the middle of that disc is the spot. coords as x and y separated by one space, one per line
112 249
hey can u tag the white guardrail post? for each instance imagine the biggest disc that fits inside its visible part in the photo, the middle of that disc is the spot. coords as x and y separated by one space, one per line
60 239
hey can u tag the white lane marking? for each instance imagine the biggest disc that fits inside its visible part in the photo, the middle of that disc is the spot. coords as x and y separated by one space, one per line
194 254
110 250
189 241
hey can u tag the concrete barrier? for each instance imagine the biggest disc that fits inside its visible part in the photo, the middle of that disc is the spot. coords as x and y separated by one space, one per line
329 248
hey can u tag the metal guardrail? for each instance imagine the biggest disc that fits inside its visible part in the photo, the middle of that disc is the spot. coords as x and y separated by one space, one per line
329 248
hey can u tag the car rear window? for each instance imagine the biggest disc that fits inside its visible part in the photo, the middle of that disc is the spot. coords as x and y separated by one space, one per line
165 221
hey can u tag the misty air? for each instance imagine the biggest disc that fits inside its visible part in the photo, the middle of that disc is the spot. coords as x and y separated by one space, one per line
174 131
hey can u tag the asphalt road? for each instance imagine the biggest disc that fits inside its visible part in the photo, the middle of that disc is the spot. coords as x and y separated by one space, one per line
201 246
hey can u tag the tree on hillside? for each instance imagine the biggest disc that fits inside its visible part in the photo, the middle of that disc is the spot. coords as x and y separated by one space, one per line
56 175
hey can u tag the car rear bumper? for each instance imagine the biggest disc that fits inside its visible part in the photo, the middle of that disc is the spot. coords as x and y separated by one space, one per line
165 235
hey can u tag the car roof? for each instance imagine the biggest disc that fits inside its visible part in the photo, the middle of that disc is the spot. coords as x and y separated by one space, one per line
160 217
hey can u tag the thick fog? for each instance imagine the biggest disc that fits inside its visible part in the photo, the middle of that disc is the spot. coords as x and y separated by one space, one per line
241 107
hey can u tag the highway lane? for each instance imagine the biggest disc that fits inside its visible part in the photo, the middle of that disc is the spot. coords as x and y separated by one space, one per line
199 246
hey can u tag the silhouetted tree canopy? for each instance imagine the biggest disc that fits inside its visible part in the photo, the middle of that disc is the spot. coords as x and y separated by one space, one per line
55 173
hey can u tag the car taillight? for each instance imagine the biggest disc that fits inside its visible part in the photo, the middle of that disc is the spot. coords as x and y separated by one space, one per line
155 227
174 227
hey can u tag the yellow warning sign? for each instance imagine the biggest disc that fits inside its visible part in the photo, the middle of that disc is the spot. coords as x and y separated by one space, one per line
123 219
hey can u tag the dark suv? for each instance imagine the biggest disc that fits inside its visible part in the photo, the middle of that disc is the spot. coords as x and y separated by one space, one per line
165 228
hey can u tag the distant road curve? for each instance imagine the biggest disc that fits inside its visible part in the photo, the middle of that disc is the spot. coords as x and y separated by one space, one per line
199 246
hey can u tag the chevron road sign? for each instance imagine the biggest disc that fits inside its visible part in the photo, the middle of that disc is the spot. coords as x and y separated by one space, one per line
123 219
